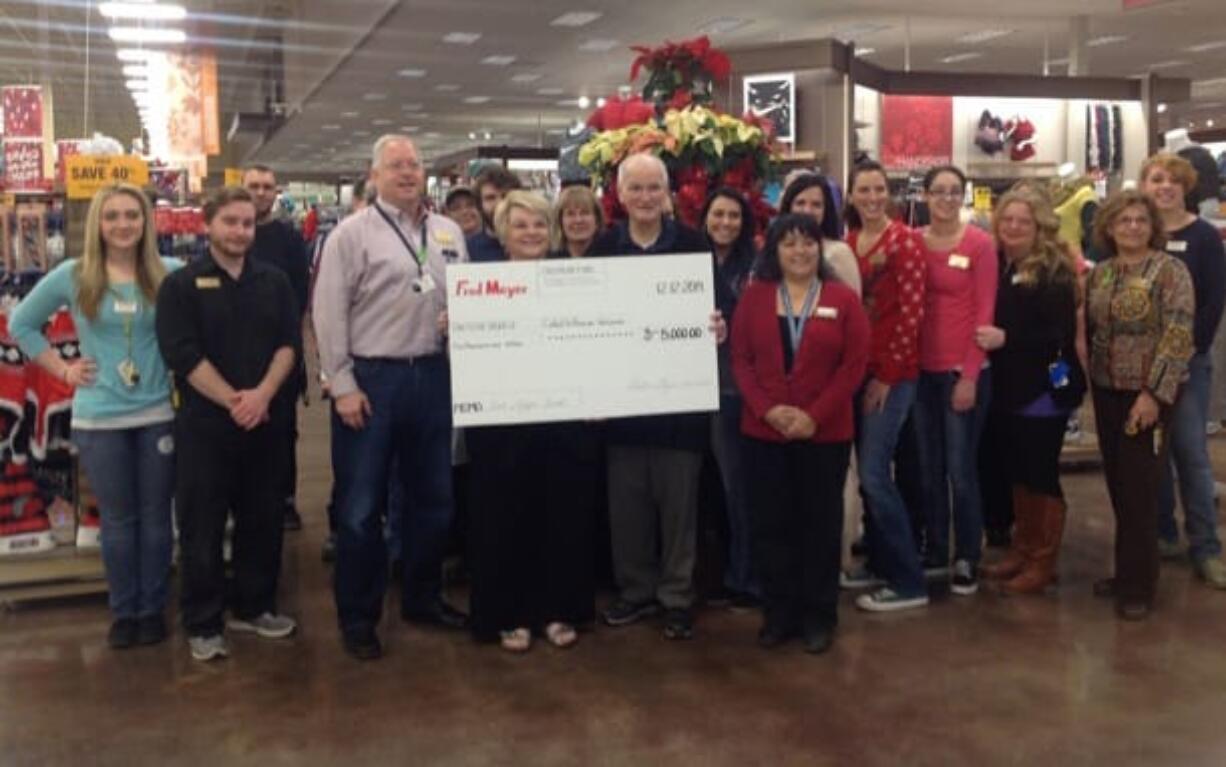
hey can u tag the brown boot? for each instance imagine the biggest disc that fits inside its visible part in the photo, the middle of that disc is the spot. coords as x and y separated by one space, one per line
1040 569
1024 523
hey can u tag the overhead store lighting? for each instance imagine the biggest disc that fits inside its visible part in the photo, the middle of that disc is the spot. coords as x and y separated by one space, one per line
147 35
1098 42
575 19
146 11
133 55
983 36
959 57
138 85
136 71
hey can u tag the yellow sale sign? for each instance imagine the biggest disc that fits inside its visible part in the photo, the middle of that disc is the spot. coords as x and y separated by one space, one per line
85 174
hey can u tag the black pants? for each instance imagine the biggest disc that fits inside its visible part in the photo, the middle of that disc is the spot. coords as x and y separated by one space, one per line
1132 465
221 469
995 476
1034 445
532 517
796 494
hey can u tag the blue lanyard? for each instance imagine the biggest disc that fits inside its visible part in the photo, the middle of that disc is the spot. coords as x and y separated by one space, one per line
796 325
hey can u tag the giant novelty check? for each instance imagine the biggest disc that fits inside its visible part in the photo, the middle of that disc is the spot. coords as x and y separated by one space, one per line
568 339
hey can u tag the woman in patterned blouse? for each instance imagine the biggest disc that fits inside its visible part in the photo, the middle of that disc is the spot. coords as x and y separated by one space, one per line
1139 313
892 272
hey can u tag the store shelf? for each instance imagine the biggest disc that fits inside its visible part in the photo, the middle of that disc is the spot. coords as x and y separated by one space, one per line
58 573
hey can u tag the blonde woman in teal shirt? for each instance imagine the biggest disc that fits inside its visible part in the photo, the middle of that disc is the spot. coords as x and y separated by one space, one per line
121 410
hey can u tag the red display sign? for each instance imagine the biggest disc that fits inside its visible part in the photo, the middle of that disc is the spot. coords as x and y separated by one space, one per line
23 166
916 131
23 111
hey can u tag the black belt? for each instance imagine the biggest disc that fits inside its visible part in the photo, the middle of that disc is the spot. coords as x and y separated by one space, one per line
419 359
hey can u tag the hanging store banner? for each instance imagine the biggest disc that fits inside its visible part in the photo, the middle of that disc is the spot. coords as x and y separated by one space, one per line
191 95
86 174
23 166
23 111
63 150
916 131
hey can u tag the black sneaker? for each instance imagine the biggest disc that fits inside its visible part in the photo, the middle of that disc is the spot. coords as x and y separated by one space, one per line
363 645
963 582
678 624
123 633
623 613
818 640
292 520
151 629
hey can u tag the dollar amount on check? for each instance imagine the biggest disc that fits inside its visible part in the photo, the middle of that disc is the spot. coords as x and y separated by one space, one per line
570 339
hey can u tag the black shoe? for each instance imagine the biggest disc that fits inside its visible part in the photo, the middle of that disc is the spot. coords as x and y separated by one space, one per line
623 612
745 601
999 539
123 633
442 615
328 553
774 634
363 645
722 597
151 629
678 624
292 520
818 640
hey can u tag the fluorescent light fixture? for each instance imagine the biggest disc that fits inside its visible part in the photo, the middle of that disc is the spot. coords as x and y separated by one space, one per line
550 91
136 70
411 72
476 99
145 11
412 106
1168 64
722 25
1206 47
350 115
959 57
446 87
382 121
134 55
410 128
332 126
575 19
361 133
1101 40
865 51
138 85
461 38
547 165
983 36
147 35
569 103
498 61
859 30
598 45
525 77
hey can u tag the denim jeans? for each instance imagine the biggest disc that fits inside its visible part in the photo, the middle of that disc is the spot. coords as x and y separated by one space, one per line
409 427
132 474
1189 461
892 554
949 450
727 444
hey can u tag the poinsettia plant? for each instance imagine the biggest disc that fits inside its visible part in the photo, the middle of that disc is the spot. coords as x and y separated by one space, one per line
701 146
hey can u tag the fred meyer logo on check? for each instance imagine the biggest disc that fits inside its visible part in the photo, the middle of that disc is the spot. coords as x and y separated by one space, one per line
469 288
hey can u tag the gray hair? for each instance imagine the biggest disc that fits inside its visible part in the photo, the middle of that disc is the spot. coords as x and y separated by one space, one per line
381 143
641 159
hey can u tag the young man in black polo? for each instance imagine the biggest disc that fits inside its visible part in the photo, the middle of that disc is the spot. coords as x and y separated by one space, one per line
228 329
279 244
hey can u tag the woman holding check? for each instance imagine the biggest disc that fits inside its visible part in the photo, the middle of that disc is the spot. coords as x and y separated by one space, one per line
799 351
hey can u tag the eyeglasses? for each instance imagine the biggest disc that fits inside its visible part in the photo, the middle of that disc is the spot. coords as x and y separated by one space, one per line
949 194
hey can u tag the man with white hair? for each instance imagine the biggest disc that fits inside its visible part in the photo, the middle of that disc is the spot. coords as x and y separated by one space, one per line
654 461
380 293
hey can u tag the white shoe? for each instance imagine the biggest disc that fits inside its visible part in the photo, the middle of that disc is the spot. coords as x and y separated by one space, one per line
208 648
887 600
267 625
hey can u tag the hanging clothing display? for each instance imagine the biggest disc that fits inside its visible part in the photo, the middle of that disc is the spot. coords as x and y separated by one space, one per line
1104 138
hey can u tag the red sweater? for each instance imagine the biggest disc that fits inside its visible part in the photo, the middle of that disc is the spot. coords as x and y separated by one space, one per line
960 296
892 274
826 372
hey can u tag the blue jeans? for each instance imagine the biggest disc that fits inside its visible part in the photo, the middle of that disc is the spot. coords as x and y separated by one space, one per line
1189 459
409 427
891 545
949 453
727 444
132 474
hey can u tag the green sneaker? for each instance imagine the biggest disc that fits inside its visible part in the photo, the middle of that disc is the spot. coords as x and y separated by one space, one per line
1213 572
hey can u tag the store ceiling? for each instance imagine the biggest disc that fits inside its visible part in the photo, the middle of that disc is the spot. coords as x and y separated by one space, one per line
353 69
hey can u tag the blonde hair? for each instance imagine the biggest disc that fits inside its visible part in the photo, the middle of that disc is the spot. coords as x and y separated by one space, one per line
1049 258
1179 168
573 196
92 282
518 198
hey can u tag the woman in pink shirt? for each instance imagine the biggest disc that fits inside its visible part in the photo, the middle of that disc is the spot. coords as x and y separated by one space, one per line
954 384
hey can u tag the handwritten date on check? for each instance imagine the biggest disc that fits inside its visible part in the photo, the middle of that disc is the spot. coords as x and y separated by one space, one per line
578 339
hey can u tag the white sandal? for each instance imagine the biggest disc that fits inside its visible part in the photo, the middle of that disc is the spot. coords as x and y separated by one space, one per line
561 635
516 640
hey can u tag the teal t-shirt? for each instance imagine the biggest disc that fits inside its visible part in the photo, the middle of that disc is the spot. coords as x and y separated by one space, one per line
103 340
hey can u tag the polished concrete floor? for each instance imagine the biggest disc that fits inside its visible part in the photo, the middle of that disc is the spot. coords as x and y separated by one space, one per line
978 681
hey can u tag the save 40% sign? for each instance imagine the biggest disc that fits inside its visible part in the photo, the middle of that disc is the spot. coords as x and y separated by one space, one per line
86 174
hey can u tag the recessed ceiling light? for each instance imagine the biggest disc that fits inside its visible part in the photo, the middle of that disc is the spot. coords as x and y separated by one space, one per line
1161 108
147 35
372 96
584 102
865 51
1097 42
498 61
1209 123
722 25
983 35
550 91
958 57
600 102
598 45
447 87
411 72
476 99
461 38
575 19
331 126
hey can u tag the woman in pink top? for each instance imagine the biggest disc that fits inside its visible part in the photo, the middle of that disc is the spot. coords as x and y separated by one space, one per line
954 384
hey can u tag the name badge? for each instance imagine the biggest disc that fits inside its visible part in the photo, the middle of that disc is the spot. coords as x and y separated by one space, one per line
125 307
443 238
424 284
959 262
1017 280
208 283
1177 246
828 312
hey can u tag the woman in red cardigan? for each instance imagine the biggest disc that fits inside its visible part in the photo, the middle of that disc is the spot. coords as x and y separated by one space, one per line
799 350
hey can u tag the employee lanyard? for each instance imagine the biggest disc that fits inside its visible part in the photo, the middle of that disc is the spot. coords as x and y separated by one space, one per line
419 260
796 325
